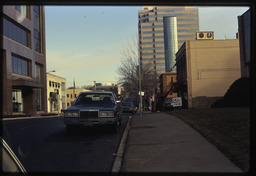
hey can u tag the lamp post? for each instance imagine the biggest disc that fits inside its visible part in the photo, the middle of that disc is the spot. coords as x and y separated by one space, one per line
50 71
140 106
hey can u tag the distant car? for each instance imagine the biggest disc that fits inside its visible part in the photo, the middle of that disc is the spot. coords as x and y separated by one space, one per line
128 107
94 108
172 103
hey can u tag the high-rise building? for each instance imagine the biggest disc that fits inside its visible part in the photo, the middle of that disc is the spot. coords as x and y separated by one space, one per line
162 30
23 61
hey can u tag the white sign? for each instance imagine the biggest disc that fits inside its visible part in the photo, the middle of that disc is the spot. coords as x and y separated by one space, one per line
142 93
176 102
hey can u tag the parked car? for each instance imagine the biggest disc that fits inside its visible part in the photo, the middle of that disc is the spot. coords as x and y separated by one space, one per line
172 103
128 107
93 108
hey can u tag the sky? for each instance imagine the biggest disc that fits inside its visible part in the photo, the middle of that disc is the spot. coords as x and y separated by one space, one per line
84 43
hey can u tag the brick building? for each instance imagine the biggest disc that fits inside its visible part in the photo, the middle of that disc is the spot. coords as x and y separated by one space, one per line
23 63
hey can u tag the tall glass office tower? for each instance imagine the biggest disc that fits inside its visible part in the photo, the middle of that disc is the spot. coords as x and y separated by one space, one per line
162 30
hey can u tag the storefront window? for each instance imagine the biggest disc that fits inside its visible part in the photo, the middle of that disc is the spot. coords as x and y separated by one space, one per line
17 100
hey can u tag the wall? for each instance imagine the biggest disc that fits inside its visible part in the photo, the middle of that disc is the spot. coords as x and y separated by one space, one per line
214 66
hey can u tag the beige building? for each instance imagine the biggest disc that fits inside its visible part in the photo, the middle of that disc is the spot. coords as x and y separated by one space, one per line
56 93
206 69
23 61
71 94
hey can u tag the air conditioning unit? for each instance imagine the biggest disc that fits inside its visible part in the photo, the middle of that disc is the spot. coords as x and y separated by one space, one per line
205 35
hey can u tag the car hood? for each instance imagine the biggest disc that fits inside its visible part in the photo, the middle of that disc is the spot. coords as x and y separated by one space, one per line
91 107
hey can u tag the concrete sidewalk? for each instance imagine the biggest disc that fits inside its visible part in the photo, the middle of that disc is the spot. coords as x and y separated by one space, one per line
159 142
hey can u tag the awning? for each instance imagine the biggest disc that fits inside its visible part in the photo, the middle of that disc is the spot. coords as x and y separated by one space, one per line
22 82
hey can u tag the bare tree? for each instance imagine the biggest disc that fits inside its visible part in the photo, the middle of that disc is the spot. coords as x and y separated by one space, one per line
129 72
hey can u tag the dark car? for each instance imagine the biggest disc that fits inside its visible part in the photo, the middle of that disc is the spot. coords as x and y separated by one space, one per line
128 107
94 108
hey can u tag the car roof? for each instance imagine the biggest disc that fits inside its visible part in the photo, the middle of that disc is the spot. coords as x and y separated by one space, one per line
96 91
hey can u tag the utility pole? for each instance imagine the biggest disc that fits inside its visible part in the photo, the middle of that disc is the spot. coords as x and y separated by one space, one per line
140 106
74 88
94 85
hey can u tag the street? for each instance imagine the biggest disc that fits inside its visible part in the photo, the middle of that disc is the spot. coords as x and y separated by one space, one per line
44 145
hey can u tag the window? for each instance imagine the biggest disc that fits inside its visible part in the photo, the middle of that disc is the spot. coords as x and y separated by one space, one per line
17 100
19 66
37 35
67 95
15 32
22 9
50 83
38 99
38 72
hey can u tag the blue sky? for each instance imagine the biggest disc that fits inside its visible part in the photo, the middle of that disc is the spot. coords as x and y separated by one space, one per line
84 43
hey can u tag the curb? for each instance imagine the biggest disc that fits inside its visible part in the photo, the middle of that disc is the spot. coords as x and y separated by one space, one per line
120 152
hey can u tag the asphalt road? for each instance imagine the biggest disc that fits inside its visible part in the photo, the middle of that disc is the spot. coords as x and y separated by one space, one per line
44 145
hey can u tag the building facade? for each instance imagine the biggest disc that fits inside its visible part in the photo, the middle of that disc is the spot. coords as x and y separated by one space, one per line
23 63
56 93
72 93
167 84
205 70
244 33
162 30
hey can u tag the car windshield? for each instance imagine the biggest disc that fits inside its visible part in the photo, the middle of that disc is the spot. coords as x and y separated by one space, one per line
95 99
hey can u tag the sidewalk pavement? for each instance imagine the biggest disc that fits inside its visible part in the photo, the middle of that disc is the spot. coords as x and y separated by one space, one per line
159 142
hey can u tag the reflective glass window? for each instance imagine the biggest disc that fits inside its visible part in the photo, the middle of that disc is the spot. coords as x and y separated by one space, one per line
19 66
15 32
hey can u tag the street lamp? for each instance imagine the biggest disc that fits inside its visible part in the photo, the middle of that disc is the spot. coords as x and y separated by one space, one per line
50 71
